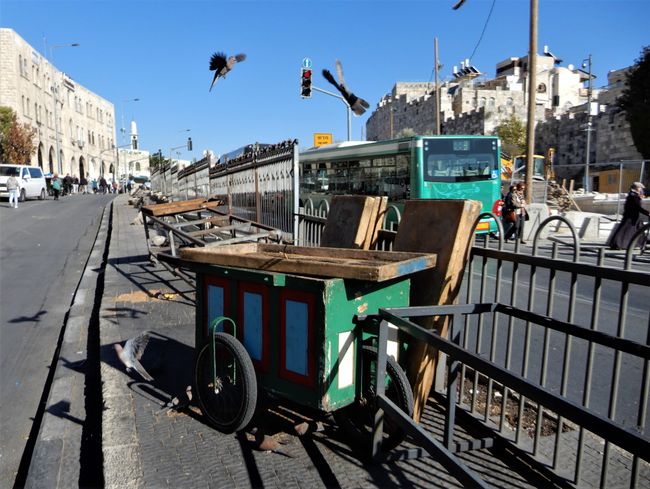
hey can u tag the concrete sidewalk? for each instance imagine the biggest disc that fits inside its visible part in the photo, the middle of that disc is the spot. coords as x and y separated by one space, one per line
146 446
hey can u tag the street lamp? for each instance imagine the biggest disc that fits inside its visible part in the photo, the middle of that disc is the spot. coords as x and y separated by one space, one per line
587 62
55 94
123 129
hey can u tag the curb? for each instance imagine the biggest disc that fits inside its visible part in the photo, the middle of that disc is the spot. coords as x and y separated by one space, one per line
56 459
120 439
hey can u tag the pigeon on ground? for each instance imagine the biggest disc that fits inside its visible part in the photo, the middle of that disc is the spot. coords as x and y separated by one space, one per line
132 352
266 443
221 65
357 104
305 427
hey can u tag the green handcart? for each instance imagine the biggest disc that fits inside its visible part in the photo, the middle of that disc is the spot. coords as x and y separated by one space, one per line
281 318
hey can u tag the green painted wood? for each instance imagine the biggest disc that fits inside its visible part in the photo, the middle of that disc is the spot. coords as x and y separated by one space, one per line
336 302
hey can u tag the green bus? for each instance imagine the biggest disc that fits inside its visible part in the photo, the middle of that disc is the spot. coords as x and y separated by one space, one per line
417 167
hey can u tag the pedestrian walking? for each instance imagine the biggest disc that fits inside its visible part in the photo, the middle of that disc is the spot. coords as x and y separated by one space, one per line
75 184
56 186
13 187
83 185
631 221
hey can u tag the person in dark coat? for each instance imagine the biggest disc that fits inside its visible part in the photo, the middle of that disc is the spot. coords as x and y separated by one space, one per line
631 221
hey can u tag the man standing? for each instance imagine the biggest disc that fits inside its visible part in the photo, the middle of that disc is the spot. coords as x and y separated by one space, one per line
12 188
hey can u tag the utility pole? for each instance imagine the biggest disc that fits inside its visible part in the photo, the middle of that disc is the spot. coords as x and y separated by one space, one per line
532 90
437 88
588 128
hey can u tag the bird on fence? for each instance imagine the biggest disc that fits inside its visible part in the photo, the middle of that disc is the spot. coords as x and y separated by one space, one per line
132 352
357 104
221 65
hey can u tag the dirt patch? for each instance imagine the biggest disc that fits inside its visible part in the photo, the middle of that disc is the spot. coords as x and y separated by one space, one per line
145 296
513 408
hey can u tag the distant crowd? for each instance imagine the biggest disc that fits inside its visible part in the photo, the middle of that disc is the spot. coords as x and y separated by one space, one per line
71 184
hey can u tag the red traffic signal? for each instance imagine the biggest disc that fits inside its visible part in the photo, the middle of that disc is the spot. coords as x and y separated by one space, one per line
305 83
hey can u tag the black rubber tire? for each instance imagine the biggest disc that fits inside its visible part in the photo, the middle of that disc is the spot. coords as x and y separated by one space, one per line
231 407
357 418
23 195
42 194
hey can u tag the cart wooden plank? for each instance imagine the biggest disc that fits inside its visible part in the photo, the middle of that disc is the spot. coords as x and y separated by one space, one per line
172 208
374 266
348 221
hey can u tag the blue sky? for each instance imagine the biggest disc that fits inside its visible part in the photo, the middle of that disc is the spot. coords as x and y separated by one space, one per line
159 51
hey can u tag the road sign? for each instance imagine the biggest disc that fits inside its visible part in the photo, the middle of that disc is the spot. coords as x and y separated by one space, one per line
322 138
306 63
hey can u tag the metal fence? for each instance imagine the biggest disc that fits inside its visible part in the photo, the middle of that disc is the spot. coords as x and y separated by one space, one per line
555 361
257 186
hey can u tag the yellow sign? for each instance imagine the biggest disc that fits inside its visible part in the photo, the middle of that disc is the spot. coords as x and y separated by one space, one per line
322 138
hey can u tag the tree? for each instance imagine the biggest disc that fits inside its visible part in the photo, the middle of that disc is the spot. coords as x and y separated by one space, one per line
156 161
512 132
16 139
635 101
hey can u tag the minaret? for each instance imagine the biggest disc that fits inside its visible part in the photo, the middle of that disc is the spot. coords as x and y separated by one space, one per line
134 135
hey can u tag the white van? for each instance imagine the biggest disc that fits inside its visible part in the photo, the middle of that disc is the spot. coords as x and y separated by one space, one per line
30 179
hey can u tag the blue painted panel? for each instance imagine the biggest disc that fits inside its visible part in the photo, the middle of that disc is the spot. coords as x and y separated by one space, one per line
253 324
297 329
215 304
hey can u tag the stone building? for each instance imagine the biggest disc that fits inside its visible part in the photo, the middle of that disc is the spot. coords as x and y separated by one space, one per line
84 121
473 104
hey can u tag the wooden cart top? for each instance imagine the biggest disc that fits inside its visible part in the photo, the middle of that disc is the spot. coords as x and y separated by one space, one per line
374 266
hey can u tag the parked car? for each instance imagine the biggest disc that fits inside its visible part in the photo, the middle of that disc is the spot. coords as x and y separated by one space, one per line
30 179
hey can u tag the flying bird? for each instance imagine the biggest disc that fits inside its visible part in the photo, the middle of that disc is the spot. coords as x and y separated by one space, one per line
221 65
357 104
132 352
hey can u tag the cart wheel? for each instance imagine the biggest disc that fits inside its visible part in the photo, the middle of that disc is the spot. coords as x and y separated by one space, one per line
229 402
357 418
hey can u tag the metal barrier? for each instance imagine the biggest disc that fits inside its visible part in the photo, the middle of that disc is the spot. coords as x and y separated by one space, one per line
580 329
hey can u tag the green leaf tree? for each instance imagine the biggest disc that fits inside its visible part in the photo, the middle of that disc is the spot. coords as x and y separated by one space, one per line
635 101
512 133
16 139
156 161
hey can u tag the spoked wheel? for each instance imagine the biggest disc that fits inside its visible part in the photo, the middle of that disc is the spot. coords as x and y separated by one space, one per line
357 418
228 394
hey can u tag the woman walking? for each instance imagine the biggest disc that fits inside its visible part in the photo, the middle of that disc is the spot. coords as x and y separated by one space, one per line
631 221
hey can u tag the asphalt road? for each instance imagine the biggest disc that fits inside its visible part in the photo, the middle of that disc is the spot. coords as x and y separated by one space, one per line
44 246
634 326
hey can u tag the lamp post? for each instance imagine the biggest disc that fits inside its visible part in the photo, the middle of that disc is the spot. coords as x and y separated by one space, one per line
55 94
587 62
123 129
187 145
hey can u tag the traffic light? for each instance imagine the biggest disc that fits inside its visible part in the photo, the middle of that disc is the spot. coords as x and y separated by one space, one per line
305 83
189 144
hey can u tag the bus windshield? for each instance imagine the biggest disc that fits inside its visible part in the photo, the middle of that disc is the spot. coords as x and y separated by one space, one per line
460 160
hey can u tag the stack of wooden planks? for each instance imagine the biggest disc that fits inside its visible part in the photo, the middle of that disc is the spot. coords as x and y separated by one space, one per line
171 208
354 222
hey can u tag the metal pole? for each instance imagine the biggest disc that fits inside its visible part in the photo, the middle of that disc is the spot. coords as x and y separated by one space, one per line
620 190
346 104
437 89
349 123
532 86
588 129
55 93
